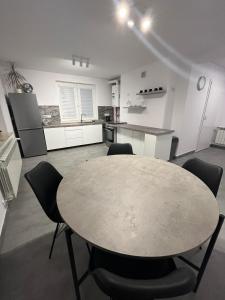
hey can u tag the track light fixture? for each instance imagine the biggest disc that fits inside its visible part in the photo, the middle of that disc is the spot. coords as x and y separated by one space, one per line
81 61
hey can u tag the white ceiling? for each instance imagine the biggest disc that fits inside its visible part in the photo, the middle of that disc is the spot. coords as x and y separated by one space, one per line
43 34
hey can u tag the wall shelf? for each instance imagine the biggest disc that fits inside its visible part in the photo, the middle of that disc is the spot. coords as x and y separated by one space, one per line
135 107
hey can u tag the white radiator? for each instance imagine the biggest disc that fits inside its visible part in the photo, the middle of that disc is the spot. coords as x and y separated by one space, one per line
220 136
10 169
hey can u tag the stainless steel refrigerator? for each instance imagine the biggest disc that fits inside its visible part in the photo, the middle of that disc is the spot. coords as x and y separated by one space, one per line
27 124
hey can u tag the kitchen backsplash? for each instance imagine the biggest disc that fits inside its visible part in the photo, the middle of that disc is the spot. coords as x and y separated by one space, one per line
50 114
105 110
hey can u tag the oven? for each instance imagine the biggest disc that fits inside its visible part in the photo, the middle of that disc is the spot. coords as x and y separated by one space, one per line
109 134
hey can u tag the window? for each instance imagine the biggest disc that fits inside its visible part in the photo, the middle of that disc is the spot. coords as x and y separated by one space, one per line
74 100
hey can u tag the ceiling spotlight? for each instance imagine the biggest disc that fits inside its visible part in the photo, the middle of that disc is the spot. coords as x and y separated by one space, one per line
146 24
122 11
130 23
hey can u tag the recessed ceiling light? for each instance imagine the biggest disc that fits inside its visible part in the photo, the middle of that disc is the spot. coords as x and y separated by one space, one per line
122 11
130 23
146 24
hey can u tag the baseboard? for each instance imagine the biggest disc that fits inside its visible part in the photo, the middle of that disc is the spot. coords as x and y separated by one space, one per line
184 154
217 146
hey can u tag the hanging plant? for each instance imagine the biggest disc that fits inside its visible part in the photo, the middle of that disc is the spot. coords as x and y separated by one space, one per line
15 80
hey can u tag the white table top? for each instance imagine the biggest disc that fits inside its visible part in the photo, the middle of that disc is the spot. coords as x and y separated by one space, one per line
137 206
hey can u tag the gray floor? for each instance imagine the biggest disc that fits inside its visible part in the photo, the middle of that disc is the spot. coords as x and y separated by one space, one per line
27 228
25 219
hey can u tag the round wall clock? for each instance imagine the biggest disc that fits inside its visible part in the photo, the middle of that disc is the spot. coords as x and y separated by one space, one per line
201 83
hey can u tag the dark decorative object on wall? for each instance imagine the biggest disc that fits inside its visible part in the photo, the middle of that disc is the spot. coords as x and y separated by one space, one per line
27 88
153 91
15 80
201 83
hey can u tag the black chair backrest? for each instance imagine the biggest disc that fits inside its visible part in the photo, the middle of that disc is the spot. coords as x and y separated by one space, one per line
44 180
117 148
210 174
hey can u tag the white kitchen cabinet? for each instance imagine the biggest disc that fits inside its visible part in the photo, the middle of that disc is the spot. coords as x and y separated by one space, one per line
63 137
124 136
115 95
137 142
55 138
157 146
135 138
74 136
92 134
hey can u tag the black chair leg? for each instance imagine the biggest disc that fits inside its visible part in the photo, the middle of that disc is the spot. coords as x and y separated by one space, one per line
209 251
53 241
89 249
72 263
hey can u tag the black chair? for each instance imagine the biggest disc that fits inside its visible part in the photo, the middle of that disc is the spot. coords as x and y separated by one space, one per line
124 277
117 148
210 174
44 180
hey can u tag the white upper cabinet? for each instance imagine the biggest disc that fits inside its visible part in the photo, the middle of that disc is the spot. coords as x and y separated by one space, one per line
115 85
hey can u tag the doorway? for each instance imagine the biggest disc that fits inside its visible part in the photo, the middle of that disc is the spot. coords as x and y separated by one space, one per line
207 122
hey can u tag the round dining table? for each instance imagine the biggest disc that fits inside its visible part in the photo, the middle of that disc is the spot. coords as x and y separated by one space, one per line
138 206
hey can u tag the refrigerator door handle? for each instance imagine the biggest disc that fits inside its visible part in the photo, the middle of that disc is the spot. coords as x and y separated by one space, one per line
22 129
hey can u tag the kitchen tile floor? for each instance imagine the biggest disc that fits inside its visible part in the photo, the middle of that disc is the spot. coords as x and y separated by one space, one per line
26 220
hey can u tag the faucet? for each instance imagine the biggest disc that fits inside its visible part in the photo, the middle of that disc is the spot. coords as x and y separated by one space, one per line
81 117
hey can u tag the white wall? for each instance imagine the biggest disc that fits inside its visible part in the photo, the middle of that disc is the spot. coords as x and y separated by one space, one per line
182 107
45 86
191 117
5 120
164 112
2 212
131 83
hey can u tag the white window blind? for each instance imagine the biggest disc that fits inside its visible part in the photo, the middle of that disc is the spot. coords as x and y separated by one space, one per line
67 103
76 99
86 99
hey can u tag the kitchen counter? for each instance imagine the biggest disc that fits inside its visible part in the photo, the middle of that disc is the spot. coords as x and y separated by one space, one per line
4 136
73 124
147 141
5 139
144 129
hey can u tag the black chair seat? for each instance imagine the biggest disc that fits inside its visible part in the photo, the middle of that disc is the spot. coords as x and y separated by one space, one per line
178 282
130 267
122 277
210 174
118 149
55 214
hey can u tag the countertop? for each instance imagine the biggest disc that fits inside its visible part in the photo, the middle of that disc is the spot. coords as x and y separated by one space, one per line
145 129
4 137
73 124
